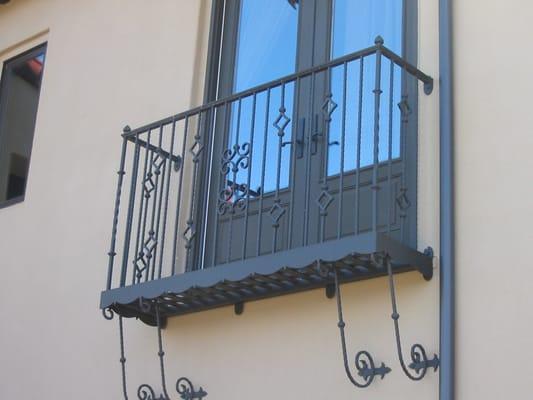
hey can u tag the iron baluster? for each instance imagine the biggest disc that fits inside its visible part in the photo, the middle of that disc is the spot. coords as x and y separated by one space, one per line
343 143
263 172
112 247
221 183
167 192
178 199
296 151
377 103
131 206
358 149
190 232
141 219
246 187
364 363
389 158
307 200
325 198
160 183
277 211
232 196
419 360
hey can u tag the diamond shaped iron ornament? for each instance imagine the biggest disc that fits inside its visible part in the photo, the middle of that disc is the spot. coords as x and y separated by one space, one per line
189 234
281 121
276 212
157 163
145 255
324 200
196 149
148 185
328 107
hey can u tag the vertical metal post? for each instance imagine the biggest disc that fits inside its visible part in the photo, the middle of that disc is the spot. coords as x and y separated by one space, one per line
167 192
342 144
248 178
112 253
129 218
358 150
180 192
447 204
263 172
377 104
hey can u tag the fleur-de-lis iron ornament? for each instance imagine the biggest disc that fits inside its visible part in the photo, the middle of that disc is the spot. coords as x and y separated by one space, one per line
184 386
364 363
417 369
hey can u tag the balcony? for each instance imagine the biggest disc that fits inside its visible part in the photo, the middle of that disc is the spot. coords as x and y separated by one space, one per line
271 191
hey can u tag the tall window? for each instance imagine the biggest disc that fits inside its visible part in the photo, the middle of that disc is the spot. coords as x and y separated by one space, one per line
19 98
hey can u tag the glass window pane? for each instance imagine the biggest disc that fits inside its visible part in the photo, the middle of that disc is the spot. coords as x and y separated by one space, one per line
266 48
19 97
356 24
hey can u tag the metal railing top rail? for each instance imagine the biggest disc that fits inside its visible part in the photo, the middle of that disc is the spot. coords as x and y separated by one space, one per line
378 47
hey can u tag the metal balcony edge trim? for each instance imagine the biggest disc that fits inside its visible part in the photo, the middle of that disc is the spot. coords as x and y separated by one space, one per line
295 259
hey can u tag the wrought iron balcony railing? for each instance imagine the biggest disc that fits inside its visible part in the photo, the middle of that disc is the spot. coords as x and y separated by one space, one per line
283 187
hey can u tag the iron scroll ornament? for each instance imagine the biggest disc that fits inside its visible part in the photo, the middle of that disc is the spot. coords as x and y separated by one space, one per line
233 197
419 360
364 363
184 386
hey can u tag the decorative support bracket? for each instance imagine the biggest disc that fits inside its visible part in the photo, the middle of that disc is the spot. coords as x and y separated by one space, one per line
419 360
184 386
364 363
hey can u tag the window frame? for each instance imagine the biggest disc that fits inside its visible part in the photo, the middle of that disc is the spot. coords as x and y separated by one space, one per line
34 50
224 24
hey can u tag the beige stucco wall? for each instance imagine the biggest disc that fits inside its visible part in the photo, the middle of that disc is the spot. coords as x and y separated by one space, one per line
112 63
493 87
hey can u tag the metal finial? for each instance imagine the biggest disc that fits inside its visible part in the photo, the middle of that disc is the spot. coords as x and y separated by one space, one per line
126 129
379 41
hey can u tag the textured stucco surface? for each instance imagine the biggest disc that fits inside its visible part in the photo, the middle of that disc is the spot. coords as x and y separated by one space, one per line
112 63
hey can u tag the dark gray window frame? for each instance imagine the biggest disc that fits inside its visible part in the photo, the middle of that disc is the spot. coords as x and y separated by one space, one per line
25 54
221 53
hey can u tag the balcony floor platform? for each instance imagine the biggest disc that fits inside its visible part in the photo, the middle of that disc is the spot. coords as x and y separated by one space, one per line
355 258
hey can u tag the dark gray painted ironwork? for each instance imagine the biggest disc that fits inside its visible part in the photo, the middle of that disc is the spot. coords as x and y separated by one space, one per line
191 205
364 363
184 386
420 363
447 204
269 275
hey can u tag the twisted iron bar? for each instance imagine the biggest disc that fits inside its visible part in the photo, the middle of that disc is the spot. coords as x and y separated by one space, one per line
184 386
419 360
122 358
109 314
364 363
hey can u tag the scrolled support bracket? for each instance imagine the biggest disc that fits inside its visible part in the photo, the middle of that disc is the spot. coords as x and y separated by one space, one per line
184 386
419 365
364 363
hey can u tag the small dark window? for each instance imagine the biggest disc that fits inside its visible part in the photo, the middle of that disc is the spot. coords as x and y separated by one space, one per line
19 98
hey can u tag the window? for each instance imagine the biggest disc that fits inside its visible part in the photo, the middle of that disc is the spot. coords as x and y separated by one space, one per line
295 153
19 98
